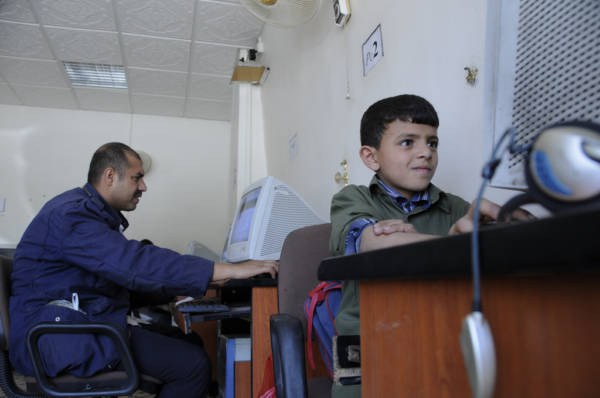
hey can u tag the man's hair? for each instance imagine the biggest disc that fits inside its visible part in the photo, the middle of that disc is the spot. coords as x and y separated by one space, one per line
113 154
406 108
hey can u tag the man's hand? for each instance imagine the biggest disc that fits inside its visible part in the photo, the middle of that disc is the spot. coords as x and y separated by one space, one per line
247 269
386 227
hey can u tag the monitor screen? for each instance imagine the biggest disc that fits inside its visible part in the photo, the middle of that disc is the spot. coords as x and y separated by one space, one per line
243 221
268 210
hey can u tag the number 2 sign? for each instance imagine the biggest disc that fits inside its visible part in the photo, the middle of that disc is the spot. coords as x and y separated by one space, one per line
372 50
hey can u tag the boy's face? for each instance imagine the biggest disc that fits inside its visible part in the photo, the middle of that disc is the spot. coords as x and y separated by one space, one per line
406 158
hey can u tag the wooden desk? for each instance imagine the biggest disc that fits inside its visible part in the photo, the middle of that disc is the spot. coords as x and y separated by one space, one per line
541 295
248 379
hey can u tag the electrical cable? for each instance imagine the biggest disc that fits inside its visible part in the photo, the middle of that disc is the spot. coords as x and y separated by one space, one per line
487 173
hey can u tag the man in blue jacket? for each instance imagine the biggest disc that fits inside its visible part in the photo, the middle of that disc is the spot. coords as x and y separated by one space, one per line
73 264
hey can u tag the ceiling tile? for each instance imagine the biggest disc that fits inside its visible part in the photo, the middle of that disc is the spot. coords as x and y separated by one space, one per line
16 10
103 99
163 18
46 96
7 96
32 72
158 105
213 59
147 81
148 52
226 23
210 87
78 45
85 14
215 110
23 40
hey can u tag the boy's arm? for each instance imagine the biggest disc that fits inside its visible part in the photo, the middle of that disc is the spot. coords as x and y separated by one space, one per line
388 233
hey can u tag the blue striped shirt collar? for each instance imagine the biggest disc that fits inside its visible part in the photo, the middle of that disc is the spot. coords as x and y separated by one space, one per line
407 205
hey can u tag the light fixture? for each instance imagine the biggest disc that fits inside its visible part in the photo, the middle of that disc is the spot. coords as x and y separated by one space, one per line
96 75
249 74
248 69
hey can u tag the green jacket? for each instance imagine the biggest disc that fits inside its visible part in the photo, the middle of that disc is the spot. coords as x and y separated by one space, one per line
373 202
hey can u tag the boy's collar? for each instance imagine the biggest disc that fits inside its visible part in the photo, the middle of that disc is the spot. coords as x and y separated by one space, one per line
436 195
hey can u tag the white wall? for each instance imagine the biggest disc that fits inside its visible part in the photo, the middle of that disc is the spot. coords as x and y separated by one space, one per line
316 89
46 151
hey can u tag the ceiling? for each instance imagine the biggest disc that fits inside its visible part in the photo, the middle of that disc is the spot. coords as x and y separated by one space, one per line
178 55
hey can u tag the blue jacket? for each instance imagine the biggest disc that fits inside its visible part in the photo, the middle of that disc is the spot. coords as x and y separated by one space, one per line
74 245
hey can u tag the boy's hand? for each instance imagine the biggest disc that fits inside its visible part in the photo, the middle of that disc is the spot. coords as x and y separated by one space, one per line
488 212
386 227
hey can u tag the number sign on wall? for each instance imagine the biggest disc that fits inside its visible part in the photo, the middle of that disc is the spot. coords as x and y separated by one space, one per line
372 50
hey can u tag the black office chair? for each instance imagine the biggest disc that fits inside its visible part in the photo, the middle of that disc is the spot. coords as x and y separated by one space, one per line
301 255
113 383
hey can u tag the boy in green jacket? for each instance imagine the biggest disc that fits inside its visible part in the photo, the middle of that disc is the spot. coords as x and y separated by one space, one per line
399 143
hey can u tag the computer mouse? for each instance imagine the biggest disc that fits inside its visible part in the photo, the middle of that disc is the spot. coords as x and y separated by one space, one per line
479 355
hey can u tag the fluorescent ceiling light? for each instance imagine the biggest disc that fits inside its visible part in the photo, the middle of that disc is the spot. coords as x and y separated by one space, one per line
96 75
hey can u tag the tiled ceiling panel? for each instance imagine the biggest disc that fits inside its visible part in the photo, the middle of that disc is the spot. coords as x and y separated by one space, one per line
149 81
209 87
165 18
83 14
91 46
23 40
16 10
33 72
103 99
155 53
213 59
226 23
178 54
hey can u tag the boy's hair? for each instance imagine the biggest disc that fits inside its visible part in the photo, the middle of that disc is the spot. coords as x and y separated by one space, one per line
406 108
113 154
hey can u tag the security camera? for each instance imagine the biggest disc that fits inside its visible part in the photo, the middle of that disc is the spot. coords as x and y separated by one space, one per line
341 12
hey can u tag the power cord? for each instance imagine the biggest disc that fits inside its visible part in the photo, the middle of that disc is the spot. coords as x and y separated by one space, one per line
489 169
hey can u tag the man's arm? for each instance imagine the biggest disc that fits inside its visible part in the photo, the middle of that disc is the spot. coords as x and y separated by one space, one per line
243 270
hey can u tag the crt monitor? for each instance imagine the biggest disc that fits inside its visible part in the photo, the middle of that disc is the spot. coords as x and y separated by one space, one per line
267 212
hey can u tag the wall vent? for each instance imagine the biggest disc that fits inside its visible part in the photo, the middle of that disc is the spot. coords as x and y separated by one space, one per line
546 67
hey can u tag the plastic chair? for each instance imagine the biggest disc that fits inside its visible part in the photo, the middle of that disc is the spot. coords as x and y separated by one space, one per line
302 252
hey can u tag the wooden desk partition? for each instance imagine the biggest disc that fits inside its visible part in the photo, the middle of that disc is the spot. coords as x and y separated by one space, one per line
546 332
540 294
264 303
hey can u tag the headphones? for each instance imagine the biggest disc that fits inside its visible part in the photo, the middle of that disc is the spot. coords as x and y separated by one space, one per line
562 171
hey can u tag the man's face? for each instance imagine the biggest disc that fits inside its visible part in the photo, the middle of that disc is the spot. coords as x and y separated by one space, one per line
126 190
407 157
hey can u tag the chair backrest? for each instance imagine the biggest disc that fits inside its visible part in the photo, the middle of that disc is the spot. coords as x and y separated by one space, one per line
6 264
301 254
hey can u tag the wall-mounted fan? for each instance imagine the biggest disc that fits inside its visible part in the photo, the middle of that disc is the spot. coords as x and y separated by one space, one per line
283 13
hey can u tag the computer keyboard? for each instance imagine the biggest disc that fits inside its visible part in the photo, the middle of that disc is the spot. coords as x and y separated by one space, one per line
264 275
202 305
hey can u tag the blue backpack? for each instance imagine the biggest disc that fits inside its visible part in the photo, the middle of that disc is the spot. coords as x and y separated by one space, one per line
320 308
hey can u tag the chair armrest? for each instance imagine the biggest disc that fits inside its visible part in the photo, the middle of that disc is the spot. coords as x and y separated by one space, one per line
287 344
33 335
